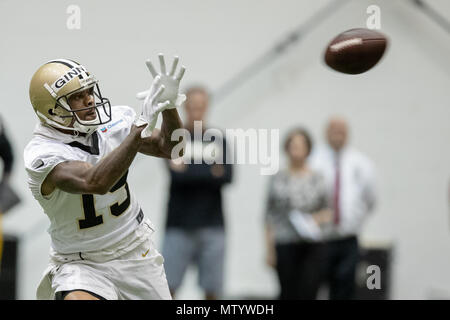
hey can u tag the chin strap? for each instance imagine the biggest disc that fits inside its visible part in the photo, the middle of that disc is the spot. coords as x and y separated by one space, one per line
77 129
83 129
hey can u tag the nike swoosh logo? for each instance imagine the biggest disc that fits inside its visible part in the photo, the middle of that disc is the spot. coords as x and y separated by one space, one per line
144 254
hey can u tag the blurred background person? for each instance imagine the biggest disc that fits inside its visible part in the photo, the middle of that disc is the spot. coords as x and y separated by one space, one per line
350 181
6 154
296 209
195 228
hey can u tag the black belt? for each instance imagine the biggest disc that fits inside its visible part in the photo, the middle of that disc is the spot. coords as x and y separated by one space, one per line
140 216
345 239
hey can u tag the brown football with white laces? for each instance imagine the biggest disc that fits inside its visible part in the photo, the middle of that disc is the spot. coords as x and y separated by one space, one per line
356 50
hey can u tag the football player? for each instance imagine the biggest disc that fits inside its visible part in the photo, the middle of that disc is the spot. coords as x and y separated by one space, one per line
77 164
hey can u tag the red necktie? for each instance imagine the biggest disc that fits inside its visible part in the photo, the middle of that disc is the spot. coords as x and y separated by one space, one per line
336 194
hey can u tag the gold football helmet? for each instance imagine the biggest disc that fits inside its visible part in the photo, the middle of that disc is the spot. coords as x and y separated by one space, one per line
53 84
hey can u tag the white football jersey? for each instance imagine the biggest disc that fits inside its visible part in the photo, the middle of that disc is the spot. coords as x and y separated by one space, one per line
83 222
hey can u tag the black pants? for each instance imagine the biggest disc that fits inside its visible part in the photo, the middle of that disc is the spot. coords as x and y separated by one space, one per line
342 257
299 270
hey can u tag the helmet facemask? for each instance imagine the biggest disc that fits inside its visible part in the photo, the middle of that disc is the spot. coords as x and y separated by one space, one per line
102 108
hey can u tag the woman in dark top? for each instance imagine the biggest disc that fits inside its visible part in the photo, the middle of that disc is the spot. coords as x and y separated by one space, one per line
296 212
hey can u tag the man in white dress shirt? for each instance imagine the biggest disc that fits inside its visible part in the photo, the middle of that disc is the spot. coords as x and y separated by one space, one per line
349 177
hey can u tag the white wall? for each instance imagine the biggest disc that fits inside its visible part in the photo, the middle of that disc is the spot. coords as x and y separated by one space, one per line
399 114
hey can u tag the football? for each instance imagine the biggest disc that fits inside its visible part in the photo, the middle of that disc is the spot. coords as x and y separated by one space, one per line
356 50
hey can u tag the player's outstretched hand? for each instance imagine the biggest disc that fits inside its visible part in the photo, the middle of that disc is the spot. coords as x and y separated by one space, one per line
169 80
152 107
